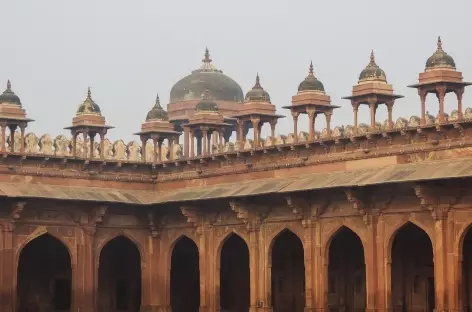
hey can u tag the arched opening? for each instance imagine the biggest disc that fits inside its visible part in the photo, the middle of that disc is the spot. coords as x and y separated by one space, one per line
185 277
346 272
44 276
412 272
234 275
288 273
119 276
466 291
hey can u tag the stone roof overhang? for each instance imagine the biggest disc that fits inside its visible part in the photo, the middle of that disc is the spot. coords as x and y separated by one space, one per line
392 174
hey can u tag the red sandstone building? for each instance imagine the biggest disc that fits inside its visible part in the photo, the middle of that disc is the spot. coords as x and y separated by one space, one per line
354 218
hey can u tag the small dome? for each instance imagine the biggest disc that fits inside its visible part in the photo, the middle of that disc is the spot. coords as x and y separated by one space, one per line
157 112
89 106
257 93
8 96
372 72
206 104
222 87
440 59
311 83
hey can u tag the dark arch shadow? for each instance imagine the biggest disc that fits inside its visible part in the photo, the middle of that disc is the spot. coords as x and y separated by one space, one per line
346 272
412 270
234 275
185 276
119 276
288 272
44 279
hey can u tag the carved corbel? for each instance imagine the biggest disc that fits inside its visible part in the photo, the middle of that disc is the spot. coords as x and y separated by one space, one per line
98 215
251 216
191 214
155 232
17 209
438 200
306 209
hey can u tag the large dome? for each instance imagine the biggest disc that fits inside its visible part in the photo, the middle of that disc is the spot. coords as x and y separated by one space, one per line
221 87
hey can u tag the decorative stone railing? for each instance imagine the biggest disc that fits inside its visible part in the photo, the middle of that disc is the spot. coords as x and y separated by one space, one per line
121 151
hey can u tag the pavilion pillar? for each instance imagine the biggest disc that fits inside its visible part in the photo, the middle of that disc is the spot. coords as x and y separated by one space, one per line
255 126
143 148
170 143
355 109
221 144
12 138
159 147
373 109
156 147
390 118
422 93
92 140
186 141
102 146
441 91
86 135
4 135
22 139
241 137
328 123
8 268
273 123
295 126
192 144
205 138
311 123
459 93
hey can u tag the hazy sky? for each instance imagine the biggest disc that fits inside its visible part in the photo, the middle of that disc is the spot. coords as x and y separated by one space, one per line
127 51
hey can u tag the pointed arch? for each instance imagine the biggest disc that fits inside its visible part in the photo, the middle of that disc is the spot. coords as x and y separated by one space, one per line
332 235
39 232
391 239
126 234
184 273
286 270
233 274
178 239
225 239
274 240
44 273
345 277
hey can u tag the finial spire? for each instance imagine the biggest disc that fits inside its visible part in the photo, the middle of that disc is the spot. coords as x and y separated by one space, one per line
439 43
8 85
311 71
158 102
372 57
258 82
207 58
89 93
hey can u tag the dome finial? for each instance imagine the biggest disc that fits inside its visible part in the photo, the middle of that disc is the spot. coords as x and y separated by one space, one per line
89 93
207 58
311 71
372 57
439 43
258 82
158 102
8 85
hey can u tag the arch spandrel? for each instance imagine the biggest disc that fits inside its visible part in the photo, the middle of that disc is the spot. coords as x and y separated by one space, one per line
103 241
22 241
462 224
273 230
329 228
392 231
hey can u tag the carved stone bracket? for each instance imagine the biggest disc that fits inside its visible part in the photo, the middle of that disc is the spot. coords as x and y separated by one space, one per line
17 209
438 201
99 214
307 209
368 205
253 216
155 231
197 219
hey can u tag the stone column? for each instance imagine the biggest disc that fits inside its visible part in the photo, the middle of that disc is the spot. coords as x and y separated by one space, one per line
83 286
295 126
373 109
205 138
102 145
440 259
311 112
355 109
86 135
459 93
170 143
320 271
12 138
152 287
143 148
192 144
92 141
328 122
441 90
254 271
156 147
370 254
390 118
186 141
255 126
22 139
240 134
221 140
4 135
310 277
159 147
422 93
8 269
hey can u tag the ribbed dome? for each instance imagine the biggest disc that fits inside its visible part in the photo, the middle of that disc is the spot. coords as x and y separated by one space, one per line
89 106
157 112
372 72
8 96
311 83
206 104
222 87
440 59
257 93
